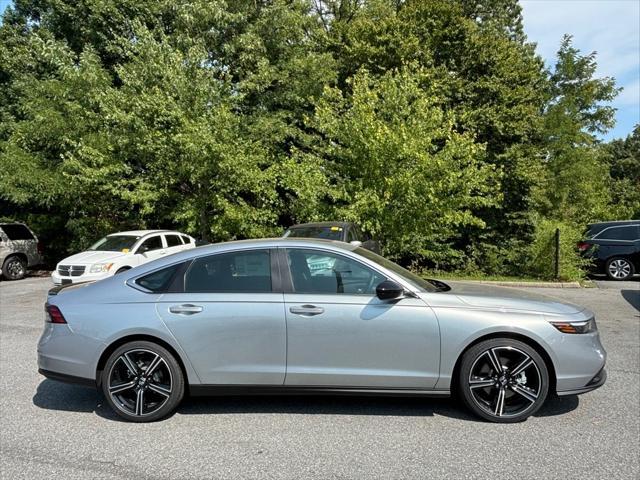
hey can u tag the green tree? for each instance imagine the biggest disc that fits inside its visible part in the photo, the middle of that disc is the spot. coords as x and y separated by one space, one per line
575 182
623 158
407 175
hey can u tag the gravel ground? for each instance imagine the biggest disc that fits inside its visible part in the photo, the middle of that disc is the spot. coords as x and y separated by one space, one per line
53 430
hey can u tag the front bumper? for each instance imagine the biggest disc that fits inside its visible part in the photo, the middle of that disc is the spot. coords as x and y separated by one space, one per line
596 382
86 277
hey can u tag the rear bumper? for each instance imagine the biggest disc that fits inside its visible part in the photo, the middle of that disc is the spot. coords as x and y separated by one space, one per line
62 377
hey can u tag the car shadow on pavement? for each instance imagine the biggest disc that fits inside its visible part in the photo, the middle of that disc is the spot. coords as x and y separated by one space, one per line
53 395
633 297
353 405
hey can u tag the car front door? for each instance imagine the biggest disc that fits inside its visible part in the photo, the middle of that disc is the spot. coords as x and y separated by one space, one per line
229 318
151 248
339 333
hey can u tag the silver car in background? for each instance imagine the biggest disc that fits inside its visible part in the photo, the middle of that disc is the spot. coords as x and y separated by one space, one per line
310 317
19 250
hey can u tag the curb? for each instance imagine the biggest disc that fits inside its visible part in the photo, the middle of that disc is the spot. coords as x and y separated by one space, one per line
527 284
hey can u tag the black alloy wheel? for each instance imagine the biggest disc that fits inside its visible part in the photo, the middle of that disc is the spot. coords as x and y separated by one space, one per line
142 382
503 380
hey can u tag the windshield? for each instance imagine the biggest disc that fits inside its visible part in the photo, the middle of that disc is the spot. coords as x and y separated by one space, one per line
114 243
328 233
415 280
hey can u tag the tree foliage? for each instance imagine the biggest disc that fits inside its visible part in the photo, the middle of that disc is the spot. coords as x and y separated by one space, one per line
432 123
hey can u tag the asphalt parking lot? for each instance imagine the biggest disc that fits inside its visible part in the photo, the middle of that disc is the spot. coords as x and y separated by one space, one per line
53 430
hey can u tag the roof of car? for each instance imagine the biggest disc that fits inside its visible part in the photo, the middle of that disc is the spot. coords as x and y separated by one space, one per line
140 233
279 242
322 224
613 222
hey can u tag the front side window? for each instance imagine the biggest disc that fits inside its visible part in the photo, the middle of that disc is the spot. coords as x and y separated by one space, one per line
314 271
410 277
151 244
239 272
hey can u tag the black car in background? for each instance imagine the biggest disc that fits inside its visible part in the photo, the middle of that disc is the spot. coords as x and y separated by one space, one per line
343 231
614 248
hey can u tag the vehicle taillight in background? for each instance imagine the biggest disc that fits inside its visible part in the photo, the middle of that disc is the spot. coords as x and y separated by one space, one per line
54 315
583 246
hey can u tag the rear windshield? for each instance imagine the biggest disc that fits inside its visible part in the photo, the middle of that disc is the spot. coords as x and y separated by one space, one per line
328 233
15 231
114 243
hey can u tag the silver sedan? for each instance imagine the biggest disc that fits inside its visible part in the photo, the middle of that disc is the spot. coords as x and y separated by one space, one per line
312 317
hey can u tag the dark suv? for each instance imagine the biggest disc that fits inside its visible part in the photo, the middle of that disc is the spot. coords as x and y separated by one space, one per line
343 231
614 248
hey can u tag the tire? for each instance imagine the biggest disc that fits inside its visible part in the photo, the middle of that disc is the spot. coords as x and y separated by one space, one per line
508 396
14 268
619 268
124 382
123 269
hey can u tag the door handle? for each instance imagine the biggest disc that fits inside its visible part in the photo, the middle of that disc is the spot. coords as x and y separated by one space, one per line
186 309
306 310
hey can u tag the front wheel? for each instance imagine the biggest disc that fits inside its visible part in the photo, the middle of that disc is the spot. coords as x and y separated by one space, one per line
503 380
142 382
14 268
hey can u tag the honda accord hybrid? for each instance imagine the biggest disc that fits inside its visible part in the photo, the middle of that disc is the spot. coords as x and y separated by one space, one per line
300 316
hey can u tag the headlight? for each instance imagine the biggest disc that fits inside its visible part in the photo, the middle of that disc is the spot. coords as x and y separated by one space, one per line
100 267
584 326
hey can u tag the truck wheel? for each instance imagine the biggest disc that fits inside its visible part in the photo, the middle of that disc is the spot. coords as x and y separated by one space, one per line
14 268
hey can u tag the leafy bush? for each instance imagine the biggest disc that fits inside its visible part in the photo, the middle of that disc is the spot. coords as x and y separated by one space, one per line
541 252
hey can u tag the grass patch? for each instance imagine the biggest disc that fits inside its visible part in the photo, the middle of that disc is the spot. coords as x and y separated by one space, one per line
478 277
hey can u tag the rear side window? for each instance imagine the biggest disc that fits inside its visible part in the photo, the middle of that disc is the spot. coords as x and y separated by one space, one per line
239 272
15 231
185 239
160 280
173 240
620 233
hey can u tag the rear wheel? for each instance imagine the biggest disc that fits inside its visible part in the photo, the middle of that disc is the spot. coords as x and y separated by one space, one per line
619 268
503 380
142 382
14 268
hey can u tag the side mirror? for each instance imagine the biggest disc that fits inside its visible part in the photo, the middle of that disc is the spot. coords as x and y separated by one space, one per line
356 243
389 290
143 249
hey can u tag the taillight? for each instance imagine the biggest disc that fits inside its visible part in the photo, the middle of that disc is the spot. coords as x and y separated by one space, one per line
54 315
582 246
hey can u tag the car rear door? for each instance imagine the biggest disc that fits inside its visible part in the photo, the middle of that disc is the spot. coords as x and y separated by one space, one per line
173 242
340 334
229 318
